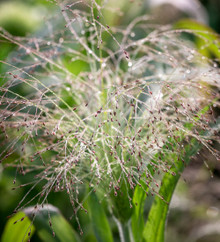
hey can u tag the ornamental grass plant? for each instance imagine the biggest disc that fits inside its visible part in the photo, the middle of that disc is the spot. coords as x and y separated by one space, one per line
109 115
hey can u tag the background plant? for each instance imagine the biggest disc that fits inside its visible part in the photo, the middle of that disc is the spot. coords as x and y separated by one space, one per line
86 107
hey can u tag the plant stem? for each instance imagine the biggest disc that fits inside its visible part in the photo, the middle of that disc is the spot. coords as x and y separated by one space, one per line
123 230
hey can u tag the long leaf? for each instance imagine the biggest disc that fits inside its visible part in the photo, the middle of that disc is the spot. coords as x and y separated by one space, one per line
207 40
59 230
17 229
155 226
137 220
99 220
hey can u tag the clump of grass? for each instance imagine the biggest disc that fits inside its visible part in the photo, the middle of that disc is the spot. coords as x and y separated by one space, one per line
84 104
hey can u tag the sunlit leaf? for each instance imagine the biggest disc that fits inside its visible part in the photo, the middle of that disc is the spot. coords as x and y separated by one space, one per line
137 221
17 229
207 40
155 226
59 230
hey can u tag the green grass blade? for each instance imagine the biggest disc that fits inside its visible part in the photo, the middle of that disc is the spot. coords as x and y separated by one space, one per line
155 225
17 231
99 220
61 228
207 40
137 220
